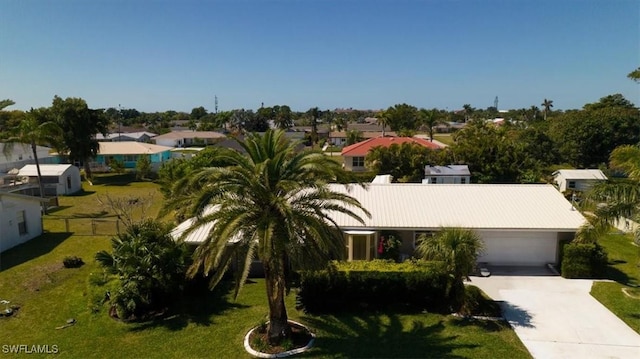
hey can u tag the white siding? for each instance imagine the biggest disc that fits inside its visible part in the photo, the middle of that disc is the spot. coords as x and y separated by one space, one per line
9 231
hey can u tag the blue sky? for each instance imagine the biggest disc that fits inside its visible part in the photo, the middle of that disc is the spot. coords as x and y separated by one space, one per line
159 55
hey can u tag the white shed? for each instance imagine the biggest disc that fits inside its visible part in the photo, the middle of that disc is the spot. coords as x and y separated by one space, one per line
20 219
58 180
578 180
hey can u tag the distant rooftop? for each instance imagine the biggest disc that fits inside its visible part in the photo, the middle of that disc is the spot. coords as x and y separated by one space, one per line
450 170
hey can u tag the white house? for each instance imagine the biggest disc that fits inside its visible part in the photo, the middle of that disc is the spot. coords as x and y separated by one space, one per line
188 138
519 224
451 174
57 180
20 219
141 136
21 154
578 180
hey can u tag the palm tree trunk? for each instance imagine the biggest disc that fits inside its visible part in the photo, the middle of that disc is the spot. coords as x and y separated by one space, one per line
276 285
87 169
40 184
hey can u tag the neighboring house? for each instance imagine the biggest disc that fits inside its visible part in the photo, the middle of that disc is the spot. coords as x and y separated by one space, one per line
57 180
21 154
188 138
577 180
129 153
353 155
142 136
20 219
339 138
519 224
451 174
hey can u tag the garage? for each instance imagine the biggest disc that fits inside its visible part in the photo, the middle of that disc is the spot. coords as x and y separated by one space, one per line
519 247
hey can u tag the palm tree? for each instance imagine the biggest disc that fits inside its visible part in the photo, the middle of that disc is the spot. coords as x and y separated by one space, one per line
150 266
546 107
382 120
621 197
272 203
31 131
459 249
430 119
468 110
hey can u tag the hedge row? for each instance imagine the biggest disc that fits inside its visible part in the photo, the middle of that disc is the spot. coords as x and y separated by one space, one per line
373 285
584 260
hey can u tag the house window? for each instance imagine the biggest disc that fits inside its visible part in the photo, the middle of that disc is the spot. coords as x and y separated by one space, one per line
130 158
463 180
358 162
572 184
22 223
434 179
68 182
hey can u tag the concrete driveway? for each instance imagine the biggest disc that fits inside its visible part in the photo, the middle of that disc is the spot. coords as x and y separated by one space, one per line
556 317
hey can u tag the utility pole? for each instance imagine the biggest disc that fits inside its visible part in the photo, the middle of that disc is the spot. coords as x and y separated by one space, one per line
216 103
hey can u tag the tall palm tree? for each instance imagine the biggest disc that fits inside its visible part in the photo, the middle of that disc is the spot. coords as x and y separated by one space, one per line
382 120
273 203
468 110
430 119
459 249
31 131
546 107
621 197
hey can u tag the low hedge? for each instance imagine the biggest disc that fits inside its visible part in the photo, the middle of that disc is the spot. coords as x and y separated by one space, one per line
584 260
373 285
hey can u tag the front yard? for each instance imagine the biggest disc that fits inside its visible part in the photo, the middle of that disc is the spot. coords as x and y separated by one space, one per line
622 296
205 324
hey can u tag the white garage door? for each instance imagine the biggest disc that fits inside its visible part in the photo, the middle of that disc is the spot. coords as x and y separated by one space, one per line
519 248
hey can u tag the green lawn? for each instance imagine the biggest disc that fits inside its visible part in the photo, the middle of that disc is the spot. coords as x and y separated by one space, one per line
624 261
445 138
206 325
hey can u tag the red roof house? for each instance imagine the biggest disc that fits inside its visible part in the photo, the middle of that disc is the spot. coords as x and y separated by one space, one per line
353 155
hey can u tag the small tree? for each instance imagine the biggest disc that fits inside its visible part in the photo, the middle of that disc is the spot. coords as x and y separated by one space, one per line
459 249
143 167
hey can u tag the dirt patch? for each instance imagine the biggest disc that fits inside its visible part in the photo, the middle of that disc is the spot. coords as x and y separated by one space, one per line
42 275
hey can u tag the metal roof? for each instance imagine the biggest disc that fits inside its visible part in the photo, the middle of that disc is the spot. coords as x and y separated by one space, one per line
481 206
586 174
450 170
177 135
45 170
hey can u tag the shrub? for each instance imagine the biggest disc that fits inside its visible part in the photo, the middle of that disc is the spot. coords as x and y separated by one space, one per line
150 270
373 285
72 262
583 260
389 246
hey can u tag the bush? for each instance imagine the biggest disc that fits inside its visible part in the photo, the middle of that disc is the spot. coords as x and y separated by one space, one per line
373 285
584 260
72 262
389 246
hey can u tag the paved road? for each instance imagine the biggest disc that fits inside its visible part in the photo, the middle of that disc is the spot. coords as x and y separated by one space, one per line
558 318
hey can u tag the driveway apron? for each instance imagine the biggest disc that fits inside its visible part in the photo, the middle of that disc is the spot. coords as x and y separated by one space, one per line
558 318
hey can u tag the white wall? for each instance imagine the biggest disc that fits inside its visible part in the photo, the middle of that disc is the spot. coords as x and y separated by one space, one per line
169 142
9 233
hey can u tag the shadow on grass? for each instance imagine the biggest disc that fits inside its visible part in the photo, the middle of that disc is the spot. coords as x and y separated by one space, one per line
82 193
617 275
51 211
114 179
486 325
367 336
34 248
101 214
516 315
198 305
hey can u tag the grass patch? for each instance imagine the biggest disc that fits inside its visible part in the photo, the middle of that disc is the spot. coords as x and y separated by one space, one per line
445 138
624 258
206 323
